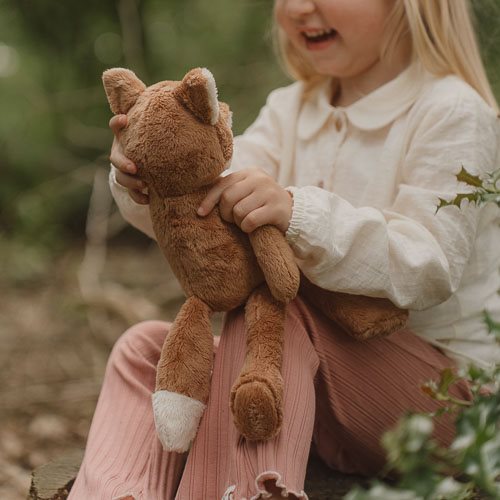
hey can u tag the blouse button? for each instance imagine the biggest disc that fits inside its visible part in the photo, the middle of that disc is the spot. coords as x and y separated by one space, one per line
340 121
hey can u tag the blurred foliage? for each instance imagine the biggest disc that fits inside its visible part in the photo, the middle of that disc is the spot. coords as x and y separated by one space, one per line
53 127
487 15
470 467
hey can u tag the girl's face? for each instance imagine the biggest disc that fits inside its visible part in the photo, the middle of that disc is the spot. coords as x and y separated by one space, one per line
339 38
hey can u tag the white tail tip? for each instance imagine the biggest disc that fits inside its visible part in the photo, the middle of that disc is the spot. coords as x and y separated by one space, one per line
176 419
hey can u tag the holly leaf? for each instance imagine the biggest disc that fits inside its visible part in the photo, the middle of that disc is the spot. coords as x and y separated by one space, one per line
493 326
468 178
490 198
472 197
448 377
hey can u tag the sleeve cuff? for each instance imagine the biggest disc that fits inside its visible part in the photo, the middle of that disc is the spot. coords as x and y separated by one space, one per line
113 183
120 192
298 214
134 213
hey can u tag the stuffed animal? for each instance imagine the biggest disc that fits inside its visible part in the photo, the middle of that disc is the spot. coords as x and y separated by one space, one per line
179 136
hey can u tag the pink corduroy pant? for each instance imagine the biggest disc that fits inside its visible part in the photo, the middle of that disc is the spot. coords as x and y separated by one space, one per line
341 395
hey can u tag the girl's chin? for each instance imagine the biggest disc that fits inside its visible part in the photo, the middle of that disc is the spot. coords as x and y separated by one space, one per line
326 69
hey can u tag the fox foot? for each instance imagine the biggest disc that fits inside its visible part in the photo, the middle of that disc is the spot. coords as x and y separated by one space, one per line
256 404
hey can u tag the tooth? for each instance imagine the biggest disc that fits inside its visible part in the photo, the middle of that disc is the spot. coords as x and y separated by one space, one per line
318 32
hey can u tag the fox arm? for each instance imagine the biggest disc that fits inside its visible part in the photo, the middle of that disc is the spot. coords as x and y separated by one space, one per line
276 259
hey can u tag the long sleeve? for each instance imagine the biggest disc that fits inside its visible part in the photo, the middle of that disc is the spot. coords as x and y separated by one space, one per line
262 143
406 252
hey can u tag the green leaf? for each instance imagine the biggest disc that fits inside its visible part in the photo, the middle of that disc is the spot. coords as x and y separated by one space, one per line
380 491
450 489
468 178
472 197
448 377
490 198
493 326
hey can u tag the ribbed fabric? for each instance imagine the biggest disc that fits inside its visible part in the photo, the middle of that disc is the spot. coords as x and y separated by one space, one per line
123 455
339 393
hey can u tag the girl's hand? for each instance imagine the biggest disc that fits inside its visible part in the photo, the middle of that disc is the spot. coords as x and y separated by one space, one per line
250 198
126 168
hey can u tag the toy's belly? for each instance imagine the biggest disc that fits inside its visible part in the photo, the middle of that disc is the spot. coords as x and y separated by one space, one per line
211 258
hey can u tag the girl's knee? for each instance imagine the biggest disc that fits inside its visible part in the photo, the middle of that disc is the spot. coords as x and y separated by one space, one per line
143 339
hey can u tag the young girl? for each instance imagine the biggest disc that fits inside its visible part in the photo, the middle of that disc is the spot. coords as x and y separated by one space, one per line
391 100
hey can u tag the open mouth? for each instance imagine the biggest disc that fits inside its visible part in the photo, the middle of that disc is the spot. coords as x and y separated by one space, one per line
319 35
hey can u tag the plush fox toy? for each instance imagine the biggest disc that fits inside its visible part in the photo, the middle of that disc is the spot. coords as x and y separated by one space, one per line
180 137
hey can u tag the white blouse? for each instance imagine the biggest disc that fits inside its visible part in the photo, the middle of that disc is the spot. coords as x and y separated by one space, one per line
366 179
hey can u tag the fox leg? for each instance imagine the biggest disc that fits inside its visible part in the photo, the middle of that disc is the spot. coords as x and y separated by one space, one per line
183 376
257 394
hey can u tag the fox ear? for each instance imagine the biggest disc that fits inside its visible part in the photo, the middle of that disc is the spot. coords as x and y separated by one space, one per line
198 93
122 89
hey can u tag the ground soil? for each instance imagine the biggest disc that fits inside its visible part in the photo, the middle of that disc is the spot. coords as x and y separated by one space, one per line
54 349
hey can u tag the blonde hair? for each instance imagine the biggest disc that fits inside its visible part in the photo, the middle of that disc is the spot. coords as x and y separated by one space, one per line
442 38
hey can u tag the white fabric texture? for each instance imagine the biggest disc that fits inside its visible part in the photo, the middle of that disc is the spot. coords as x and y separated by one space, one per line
177 418
366 180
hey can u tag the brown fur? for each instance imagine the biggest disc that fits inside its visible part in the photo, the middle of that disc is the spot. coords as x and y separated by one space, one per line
178 369
256 397
361 317
194 96
180 153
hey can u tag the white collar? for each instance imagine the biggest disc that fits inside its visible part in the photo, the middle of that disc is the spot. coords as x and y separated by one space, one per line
373 111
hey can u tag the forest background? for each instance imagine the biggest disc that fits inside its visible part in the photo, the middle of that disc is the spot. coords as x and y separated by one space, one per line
73 276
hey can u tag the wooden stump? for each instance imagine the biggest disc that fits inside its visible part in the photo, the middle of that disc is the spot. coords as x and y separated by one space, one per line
53 481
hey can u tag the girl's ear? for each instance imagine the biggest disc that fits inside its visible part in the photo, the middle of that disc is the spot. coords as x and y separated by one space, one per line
198 93
122 89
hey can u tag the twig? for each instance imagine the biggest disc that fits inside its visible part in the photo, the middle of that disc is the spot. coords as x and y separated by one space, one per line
130 20
109 296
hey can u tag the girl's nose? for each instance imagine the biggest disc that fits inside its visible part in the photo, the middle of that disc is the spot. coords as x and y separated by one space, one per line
297 9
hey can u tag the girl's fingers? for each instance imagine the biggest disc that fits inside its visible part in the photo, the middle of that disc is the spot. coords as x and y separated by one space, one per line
230 197
214 195
246 206
255 219
118 122
135 187
121 162
125 168
140 198
117 158
130 182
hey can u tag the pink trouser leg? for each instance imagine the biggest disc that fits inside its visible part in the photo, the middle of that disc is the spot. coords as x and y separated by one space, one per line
363 388
341 393
123 455
222 464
